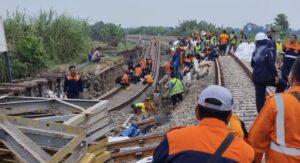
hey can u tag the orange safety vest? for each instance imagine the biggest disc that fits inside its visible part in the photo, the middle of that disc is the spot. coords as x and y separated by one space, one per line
235 126
204 139
224 38
143 64
70 77
138 71
125 78
276 131
189 60
168 68
149 79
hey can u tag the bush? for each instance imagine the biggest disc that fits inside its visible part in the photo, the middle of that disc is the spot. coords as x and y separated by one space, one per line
31 53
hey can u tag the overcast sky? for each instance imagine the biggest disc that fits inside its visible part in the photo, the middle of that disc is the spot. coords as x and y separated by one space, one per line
234 13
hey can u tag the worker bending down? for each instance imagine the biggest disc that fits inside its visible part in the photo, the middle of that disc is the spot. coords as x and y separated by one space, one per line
148 79
276 130
210 140
143 107
176 89
123 80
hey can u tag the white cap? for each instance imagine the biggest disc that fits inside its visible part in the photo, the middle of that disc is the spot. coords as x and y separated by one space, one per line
219 93
261 36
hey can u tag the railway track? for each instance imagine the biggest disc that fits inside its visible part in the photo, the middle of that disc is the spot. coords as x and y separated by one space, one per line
227 68
235 75
119 97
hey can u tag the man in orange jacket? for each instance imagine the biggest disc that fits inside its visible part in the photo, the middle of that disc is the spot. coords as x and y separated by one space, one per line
211 140
224 41
275 131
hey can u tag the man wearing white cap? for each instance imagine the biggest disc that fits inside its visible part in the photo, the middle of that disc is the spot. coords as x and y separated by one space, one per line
210 141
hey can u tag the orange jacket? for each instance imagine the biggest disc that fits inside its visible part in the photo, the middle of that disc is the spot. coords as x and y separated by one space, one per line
143 64
224 38
235 126
188 60
202 141
138 71
263 134
168 68
125 78
149 79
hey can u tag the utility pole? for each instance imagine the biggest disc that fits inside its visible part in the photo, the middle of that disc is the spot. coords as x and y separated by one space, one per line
3 49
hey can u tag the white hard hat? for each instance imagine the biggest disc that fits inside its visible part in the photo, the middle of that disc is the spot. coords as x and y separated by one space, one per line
261 36
219 93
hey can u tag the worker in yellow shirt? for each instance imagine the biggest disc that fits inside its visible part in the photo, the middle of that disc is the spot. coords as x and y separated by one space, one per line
279 47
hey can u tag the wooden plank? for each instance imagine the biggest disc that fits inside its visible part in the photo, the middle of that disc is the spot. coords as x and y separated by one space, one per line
95 146
91 119
98 125
43 126
24 141
77 154
103 157
62 153
138 141
88 158
24 106
57 118
98 134
80 118
69 104
133 154
100 150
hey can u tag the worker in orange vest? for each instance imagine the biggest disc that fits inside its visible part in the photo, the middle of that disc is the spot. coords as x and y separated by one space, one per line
210 141
125 80
291 52
168 67
224 41
275 131
148 79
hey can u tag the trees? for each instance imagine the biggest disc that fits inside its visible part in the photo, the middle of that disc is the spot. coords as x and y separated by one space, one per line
282 24
108 32
40 41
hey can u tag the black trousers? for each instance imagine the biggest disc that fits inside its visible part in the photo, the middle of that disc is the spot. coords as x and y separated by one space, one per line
176 98
223 48
260 91
285 71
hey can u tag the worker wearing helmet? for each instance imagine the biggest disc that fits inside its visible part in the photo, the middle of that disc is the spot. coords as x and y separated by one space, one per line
210 140
264 71
275 131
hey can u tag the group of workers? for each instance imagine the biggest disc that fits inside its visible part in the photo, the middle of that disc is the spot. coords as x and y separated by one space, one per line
222 137
136 72
200 46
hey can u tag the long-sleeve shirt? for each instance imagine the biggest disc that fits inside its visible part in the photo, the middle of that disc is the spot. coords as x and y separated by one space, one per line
73 86
263 130
264 68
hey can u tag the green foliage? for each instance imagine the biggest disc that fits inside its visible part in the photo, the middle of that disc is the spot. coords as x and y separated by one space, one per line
46 38
110 33
150 30
30 56
281 24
